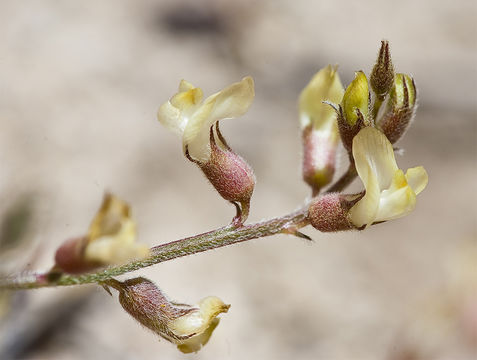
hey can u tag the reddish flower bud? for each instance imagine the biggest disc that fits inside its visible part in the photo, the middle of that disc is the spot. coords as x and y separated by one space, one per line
230 174
329 213
69 257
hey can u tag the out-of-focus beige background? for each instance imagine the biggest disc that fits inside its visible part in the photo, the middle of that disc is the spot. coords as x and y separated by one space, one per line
80 83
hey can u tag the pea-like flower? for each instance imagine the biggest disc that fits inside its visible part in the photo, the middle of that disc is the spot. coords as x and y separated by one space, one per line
112 234
197 122
111 240
188 116
187 326
390 194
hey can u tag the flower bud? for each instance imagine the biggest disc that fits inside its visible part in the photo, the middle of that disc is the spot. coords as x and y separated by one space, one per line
229 173
110 240
382 76
329 213
403 93
189 327
319 157
319 128
354 110
401 108
356 99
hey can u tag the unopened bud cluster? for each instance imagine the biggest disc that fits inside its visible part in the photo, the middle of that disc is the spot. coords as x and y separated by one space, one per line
368 117
371 116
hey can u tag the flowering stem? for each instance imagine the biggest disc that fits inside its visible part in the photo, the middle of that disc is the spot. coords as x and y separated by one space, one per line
224 236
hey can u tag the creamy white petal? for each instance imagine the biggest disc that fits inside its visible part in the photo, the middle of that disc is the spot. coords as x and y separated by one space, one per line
108 250
417 178
396 204
231 102
188 101
197 132
200 323
197 321
196 342
324 86
371 149
170 117
365 210
184 85
397 201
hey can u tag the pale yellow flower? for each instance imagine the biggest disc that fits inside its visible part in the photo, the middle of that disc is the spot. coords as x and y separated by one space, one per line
200 322
112 235
186 115
390 194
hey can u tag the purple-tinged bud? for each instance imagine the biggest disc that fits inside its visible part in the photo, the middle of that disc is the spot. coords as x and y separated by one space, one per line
382 76
229 173
319 128
400 109
319 158
69 257
189 327
329 212
111 240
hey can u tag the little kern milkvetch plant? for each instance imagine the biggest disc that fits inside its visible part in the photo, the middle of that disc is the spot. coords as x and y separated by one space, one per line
368 118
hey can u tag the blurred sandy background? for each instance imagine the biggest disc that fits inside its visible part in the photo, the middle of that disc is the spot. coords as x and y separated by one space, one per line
80 83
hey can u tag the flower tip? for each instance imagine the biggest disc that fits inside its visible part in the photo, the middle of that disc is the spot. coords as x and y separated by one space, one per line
382 75
184 85
248 80
247 91
417 178
325 85
356 99
212 306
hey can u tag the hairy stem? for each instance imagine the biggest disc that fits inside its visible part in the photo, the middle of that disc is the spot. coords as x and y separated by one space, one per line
224 236
227 235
